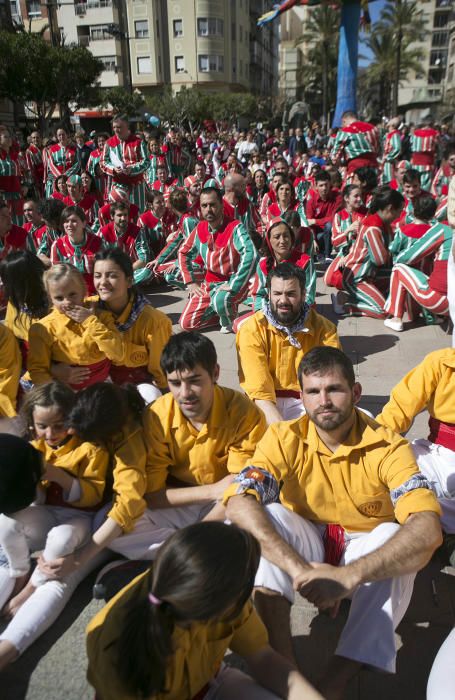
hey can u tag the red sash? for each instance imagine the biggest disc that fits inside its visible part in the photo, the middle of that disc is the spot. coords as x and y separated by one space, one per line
442 433
287 394
438 278
366 159
120 374
422 158
99 372
54 497
211 276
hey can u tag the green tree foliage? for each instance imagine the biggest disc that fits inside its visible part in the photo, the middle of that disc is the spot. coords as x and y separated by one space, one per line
394 55
44 76
122 101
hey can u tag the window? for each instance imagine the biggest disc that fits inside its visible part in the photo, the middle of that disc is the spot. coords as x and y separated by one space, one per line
144 64
208 63
34 8
100 31
209 26
141 29
95 4
159 65
178 27
157 28
440 39
438 58
179 62
441 19
108 63
15 9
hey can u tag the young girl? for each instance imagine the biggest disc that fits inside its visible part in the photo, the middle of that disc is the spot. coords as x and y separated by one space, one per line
145 330
165 635
78 246
60 188
71 334
74 483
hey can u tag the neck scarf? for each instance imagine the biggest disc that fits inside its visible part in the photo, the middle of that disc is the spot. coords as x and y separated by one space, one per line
290 331
138 305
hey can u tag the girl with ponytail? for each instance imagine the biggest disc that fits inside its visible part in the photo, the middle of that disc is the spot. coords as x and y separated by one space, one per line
165 634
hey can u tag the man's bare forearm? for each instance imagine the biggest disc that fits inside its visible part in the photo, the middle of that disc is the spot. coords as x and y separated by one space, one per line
168 498
269 409
246 512
408 551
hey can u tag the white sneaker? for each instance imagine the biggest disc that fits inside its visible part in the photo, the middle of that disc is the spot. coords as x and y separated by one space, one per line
226 329
394 325
338 308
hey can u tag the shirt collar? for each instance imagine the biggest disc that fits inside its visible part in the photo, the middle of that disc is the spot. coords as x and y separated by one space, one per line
361 435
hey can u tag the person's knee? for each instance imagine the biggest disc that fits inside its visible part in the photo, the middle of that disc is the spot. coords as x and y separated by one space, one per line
62 538
186 323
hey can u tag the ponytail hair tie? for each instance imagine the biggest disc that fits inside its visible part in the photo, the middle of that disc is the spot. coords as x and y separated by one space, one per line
154 600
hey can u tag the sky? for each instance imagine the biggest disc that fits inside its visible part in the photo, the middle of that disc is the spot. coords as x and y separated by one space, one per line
375 11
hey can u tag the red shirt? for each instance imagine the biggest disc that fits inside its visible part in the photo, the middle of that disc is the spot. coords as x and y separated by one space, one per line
322 210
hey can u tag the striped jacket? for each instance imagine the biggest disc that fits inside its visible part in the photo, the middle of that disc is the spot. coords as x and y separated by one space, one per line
392 145
370 249
81 256
423 147
355 140
61 160
132 152
185 226
342 241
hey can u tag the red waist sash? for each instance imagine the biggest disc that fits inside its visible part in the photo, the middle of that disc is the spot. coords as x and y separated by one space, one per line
99 372
120 374
287 394
54 497
211 276
422 158
442 433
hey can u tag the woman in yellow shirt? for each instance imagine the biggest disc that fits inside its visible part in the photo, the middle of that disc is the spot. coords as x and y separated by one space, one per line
165 635
74 478
71 334
145 330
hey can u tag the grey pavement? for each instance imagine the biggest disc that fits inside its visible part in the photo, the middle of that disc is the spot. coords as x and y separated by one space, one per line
54 667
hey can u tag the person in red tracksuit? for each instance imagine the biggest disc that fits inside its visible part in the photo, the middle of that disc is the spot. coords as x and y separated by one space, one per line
321 207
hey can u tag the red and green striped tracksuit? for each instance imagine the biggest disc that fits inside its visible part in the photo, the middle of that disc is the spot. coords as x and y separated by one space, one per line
167 261
229 258
392 150
441 181
60 160
365 274
423 146
245 212
132 152
49 236
342 241
429 291
405 236
258 289
358 143
154 162
82 256
133 242
35 165
94 169
89 206
34 235
10 183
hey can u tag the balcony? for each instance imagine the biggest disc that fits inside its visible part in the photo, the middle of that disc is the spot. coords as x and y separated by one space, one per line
84 41
426 94
81 8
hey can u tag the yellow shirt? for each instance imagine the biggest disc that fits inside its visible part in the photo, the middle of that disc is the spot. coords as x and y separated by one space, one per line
430 385
223 445
128 453
57 338
145 340
85 462
198 649
350 487
10 371
18 323
267 360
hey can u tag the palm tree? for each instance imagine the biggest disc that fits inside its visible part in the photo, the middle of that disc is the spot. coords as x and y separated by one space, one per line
321 34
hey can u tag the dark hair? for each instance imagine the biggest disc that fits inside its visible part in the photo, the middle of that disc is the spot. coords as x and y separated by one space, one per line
348 114
21 466
178 199
22 276
200 573
51 211
322 359
425 207
186 350
368 176
74 209
209 190
286 271
102 410
3 204
292 218
120 117
46 395
384 197
119 257
411 175
151 195
322 176
349 189
118 206
266 248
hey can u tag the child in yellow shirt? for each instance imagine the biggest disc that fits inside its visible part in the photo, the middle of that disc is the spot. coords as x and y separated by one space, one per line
71 334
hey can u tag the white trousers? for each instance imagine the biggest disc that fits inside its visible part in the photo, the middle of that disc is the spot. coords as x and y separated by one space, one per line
437 463
377 607
451 291
232 683
441 682
155 527
290 407
60 531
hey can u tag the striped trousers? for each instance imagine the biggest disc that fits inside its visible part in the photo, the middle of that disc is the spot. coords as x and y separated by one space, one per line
366 297
407 280
213 307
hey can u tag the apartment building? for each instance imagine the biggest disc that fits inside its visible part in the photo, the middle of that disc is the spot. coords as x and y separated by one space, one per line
291 57
423 92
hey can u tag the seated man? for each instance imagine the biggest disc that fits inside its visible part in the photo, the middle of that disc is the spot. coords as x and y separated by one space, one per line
344 481
198 436
431 386
229 259
321 206
271 343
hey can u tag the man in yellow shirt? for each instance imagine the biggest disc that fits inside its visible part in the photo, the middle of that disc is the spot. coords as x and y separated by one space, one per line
344 481
198 436
431 386
272 342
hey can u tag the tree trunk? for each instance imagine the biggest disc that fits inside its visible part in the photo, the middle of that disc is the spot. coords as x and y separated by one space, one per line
325 82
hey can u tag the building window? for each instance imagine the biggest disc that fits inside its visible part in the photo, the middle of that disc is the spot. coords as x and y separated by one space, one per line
178 27
179 62
34 8
15 9
100 31
159 65
157 28
108 63
209 63
210 26
141 29
441 19
438 58
440 39
144 64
